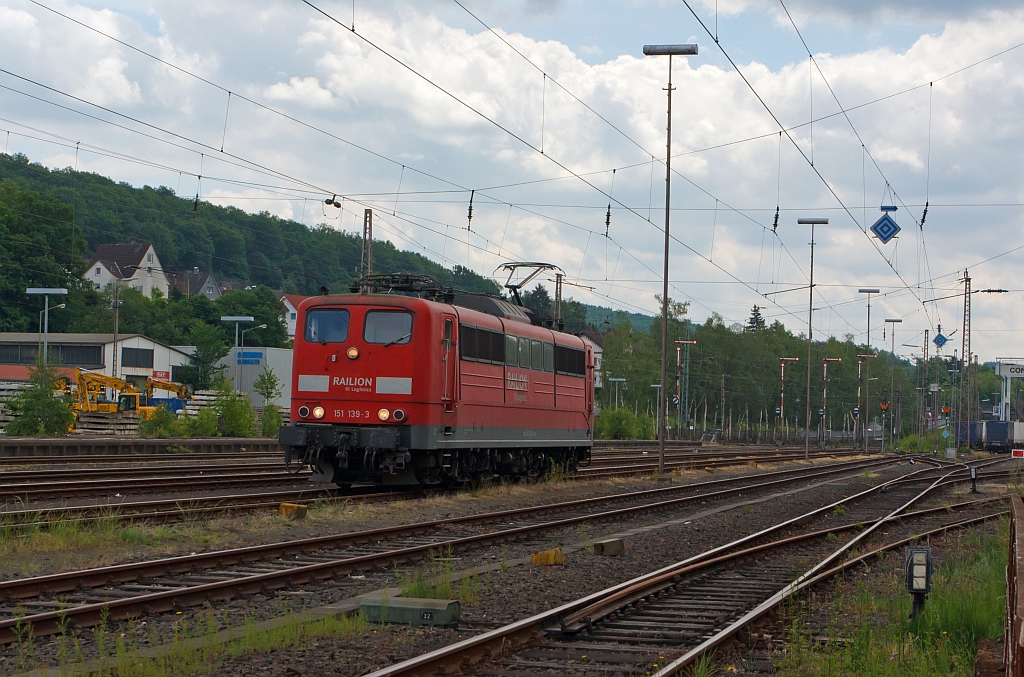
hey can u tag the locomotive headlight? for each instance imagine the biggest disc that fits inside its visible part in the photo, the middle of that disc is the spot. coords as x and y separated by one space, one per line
399 415
303 411
318 412
383 414
352 353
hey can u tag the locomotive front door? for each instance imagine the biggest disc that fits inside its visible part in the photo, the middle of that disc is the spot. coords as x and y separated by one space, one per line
450 359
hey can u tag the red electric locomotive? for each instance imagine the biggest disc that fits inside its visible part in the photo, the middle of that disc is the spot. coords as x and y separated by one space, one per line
404 382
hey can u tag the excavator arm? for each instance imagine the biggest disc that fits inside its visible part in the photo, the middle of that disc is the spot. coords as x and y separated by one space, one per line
178 389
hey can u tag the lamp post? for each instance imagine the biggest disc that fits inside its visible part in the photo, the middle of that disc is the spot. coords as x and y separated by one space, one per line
892 381
824 385
867 371
669 51
782 398
810 312
46 293
683 400
616 381
237 319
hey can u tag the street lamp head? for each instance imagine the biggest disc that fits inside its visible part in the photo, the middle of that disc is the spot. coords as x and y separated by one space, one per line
670 50
63 305
46 291
812 222
867 291
895 321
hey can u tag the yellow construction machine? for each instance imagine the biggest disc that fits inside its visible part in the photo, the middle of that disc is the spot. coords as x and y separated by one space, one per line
91 392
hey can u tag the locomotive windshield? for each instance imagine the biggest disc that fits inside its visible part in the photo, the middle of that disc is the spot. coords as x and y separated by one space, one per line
327 326
387 327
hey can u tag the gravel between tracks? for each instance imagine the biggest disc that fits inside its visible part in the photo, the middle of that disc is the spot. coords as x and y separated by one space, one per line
43 554
502 595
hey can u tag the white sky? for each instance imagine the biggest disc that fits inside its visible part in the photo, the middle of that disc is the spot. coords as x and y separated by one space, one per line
287 56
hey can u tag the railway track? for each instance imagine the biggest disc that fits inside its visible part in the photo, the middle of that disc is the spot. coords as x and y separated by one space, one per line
22 488
620 465
135 589
192 482
660 623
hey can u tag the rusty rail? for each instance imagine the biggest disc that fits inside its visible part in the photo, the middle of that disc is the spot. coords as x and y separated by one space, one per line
1014 626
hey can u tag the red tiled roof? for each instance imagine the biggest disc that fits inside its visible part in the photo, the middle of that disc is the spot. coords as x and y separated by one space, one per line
294 299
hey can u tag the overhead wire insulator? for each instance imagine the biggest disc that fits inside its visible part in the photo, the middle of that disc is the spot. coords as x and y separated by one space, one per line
775 225
469 217
608 219
924 215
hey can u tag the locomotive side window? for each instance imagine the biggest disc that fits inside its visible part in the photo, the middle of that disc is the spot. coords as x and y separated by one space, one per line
387 327
537 354
511 350
327 326
497 343
469 344
571 361
549 357
481 345
524 353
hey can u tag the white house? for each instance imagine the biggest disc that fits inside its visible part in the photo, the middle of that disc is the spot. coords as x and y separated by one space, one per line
134 264
195 281
291 304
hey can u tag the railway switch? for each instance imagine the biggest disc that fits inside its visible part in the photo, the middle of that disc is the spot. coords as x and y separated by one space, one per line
919 575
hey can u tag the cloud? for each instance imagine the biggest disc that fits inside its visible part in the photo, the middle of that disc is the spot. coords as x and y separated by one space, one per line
840 11
303 90
422 141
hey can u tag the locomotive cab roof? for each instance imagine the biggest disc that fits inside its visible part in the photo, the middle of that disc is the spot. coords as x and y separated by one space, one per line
427 287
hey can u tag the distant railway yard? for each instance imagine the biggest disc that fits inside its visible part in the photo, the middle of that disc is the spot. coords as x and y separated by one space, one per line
185 562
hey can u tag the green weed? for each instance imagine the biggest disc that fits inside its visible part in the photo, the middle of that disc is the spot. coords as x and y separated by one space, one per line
871 632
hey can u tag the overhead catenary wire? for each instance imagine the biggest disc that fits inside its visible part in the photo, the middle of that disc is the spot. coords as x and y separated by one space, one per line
767 108
864 148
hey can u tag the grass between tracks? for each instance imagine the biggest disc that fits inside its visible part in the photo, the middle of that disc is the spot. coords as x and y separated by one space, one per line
865 628
199 645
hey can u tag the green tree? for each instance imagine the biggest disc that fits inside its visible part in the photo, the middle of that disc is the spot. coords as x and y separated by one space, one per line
756 322
539 301
40 412
40 246
202 370
267 385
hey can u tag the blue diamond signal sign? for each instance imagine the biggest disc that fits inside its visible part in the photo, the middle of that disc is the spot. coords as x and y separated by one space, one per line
945 433
885 228
940 340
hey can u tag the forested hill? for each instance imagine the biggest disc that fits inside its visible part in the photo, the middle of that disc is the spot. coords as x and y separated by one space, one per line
256 248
